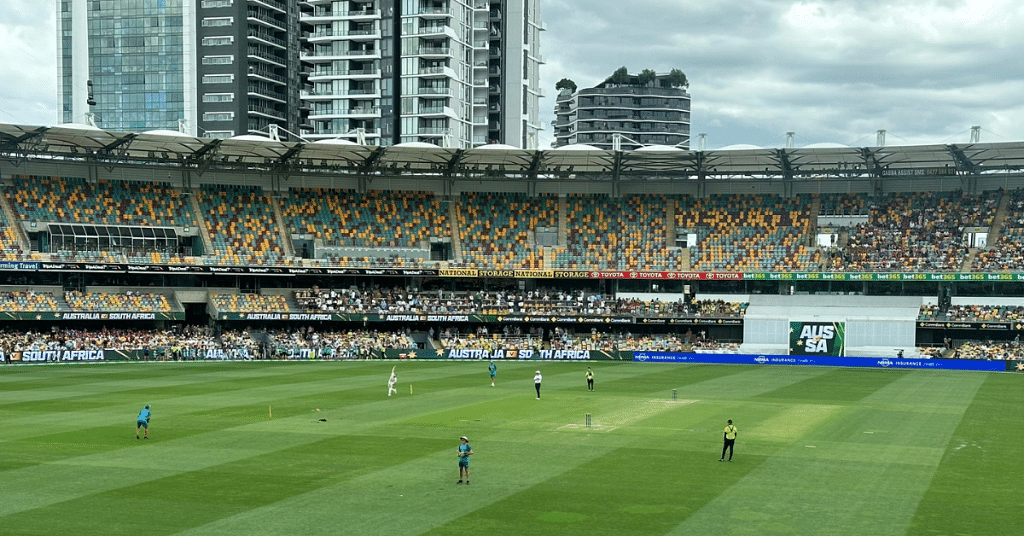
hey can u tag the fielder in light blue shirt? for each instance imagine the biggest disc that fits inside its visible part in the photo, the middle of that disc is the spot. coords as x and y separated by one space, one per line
143 422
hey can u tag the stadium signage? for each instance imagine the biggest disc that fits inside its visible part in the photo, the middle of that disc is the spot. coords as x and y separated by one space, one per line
497 273
9 265
108 316
821 360
49 356
457 272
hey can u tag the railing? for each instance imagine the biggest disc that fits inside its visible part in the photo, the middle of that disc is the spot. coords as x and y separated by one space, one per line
250 51
344 72
265 18
266 37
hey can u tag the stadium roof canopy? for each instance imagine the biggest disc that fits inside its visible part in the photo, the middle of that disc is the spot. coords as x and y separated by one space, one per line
501 162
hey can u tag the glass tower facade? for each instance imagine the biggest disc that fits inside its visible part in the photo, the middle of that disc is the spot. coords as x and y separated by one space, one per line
138 55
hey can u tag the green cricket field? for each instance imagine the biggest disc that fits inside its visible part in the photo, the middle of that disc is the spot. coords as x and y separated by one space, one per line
306 448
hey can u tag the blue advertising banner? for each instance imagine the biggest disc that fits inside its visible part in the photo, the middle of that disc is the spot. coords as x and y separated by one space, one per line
823 361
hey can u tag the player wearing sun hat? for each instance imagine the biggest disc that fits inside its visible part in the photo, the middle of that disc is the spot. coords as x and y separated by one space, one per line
493 369
464 452
536 383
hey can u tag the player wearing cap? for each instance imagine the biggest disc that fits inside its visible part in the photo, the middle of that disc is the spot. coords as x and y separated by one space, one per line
143 422
464 452
493 369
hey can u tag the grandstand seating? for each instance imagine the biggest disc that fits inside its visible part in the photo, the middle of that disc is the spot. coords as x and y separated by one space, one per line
749 233
10 249
131 301
916 232
27 301
376 219
73 200
249 303
919 231
1007 253
496 229
606 233
243 229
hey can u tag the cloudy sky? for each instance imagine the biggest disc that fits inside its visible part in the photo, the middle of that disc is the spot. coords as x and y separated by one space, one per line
829 70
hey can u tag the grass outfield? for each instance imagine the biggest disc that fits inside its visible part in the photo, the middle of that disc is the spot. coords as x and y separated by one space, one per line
819 451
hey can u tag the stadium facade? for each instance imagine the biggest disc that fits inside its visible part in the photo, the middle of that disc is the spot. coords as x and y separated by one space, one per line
453 73
804 232
624 116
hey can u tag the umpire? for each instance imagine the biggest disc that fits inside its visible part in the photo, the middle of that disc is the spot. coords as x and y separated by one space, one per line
730 440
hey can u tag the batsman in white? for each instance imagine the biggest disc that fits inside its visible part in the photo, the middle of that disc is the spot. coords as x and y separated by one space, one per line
391 382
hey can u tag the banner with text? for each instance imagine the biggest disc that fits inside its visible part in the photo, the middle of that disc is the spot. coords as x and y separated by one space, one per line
817 338
824 361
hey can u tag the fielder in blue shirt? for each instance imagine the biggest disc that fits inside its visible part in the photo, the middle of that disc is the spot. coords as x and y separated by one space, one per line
143 422
494 372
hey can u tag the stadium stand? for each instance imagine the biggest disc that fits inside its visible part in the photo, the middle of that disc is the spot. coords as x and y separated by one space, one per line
27 301
128 301
249 303
73 200
387 220
496 230
243 228
749 233
918 231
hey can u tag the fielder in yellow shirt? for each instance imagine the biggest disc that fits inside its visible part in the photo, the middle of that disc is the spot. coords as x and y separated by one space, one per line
730 440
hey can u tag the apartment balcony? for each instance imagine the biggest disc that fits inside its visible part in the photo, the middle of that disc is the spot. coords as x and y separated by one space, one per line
266 111
267 57
433 13
435 30
272 4
266 75
265 38
262 19
364 112
322 133
350 74
436 111
327 15
434 91
432 131
436 72
341 55
434 52
338 35
481 26
256 91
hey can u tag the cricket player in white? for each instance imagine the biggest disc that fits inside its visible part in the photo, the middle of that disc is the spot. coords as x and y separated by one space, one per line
391 382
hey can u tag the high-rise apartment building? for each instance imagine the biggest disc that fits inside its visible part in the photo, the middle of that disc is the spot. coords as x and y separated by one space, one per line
651 112
449 72
248 72
214 68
